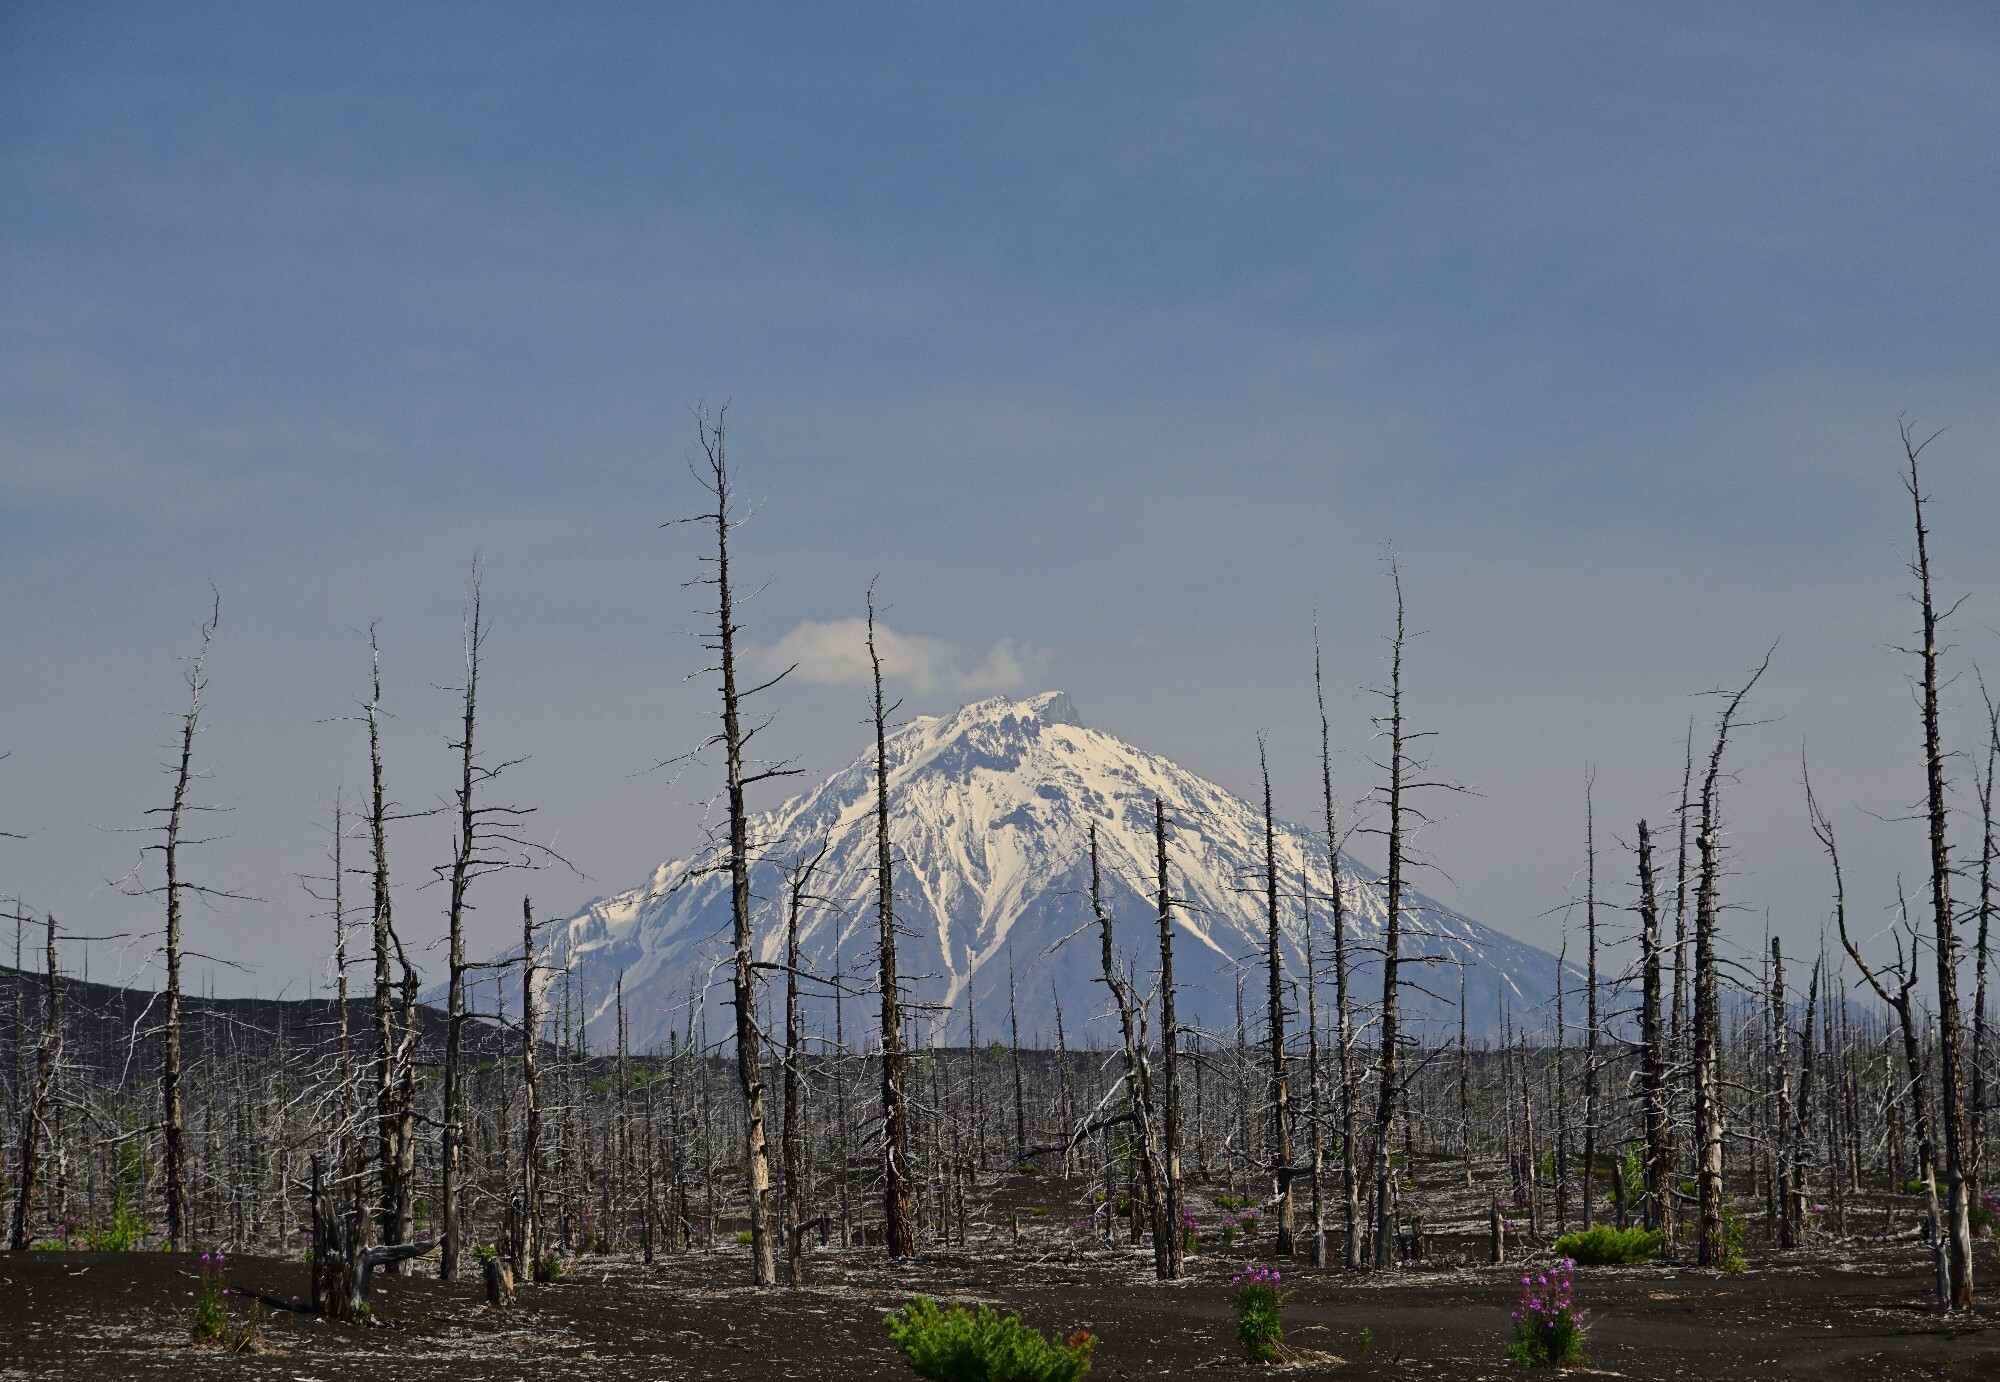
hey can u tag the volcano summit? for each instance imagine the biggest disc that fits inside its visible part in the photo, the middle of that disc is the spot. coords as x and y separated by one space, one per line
989 815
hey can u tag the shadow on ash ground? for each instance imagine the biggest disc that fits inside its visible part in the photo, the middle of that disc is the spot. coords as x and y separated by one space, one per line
115 1316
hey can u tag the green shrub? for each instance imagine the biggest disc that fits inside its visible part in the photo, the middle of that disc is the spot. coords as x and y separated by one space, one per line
120 1231
1600 1245
954 1344
743 1236
1028 1168
124 1228
1733 1229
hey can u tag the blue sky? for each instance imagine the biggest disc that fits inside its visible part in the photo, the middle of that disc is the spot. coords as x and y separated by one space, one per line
1117 340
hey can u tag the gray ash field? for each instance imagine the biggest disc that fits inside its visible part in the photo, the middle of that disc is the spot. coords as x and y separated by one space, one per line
1854 1310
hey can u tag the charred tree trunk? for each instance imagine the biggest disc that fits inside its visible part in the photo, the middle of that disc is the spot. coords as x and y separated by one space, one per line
1389 1093
715 478
1708 997
173 1125
1350 1178
528 1241
1590 1003
1280 1085
1654 1113
388 1142
899 1211
1170 1041
463 855
1951 1061
1138 1083
35 1117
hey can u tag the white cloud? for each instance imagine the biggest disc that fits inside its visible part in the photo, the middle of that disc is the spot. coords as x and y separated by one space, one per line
835 652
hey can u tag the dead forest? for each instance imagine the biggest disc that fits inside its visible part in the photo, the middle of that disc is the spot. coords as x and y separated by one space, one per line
1691 1077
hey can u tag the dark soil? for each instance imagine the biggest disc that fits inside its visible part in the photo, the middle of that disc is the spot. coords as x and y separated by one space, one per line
1857 1313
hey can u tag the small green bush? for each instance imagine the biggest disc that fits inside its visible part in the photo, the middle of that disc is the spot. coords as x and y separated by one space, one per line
1028 1168
1601 1245
954 1344
743 1236
1733 1230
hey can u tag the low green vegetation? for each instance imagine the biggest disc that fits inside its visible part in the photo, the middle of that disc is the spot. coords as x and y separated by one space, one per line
955 1344
1601 1245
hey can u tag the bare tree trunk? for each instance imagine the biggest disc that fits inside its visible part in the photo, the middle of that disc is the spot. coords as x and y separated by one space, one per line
527 1242
749 1063
1590 1003
1315 1110
1707 997
461 875
388 1146
1787 1226
1138 1085
35 1118
1350 1179
1389 1093
1901 1003
1654 1114
1981 964
1951 1062
794 1136
1170 1041
174 1171
1280 1085
898 1210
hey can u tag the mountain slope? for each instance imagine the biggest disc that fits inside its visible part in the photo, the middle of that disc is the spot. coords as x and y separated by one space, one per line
990 812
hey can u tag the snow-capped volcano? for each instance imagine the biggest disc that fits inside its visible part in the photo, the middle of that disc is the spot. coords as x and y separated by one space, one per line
989 814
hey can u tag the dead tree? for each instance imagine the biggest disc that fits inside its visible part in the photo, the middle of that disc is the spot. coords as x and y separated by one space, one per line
393 1192
527 1237
1350 1178
1138 1083
1707 991
1783 1177
1951 1027
35 1118
1280 1090
713 475
1013 1060
1902 1002
487 840
1315 1105
1981 963
1654 1112
1404 777
174 839
899 1210
1590 1000
793 1147
1170 1039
